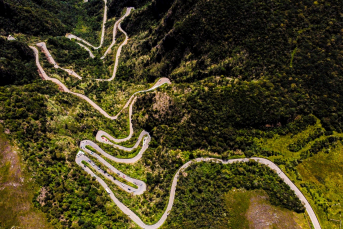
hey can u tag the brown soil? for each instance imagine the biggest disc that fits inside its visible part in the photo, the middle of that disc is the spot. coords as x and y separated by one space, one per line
162 102
42 195
264 216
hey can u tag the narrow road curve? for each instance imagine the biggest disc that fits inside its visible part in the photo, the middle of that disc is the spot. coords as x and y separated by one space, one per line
106 138
98 108
42 73
116 63
141 186
119 48
145 146
87 49
160 222
51 60
116 25
71 36
125 209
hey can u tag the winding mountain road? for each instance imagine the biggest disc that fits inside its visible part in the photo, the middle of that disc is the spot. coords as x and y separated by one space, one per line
117 25
87 49
135 191
51 60
72 36
106 138
81 157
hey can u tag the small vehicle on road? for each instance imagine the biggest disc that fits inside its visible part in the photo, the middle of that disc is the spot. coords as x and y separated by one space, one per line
107 190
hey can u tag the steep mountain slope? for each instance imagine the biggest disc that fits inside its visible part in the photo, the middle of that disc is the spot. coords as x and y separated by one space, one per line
245 39
47 17
248 78
17 65
284 57
29 19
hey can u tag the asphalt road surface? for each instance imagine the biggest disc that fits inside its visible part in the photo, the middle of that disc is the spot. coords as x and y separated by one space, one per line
85 47
51 60
65 89
71 36
145 137
126 210
140 223
117 25
135 191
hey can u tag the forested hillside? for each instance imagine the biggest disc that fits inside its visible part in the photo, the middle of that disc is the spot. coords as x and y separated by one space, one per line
46 17
17 64
285 60
249 78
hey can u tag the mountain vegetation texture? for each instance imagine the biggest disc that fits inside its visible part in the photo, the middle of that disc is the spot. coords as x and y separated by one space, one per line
249 78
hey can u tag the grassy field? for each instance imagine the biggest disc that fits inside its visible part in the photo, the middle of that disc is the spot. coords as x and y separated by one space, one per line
323 176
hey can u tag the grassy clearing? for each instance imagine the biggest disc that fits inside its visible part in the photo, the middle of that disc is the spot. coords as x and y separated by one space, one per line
322 177
281 143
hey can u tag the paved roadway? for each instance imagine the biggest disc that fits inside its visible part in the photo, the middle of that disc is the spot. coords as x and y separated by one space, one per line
51 60
135 191
145 146
71 36
264 161
42 73
106 138
98 108
126 210
85 47
117 25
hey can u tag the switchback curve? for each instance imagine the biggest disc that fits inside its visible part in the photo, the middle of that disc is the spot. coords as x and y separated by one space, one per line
81 157
71 36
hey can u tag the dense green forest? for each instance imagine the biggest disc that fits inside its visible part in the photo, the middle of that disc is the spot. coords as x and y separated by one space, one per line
48 17
249 78
69 54
17 64
278 72
47 148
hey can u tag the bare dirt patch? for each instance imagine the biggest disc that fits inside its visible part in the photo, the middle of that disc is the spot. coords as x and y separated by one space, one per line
262 215
162 102
42 195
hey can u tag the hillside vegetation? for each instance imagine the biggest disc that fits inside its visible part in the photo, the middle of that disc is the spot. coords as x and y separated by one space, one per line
16 189
264 63
249 78
49 17
17 65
